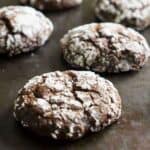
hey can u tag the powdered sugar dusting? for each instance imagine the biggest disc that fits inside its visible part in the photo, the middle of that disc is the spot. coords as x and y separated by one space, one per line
87 103
22 29
52 4
105 47
134 13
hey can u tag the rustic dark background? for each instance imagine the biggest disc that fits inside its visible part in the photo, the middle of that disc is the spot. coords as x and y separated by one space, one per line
132 132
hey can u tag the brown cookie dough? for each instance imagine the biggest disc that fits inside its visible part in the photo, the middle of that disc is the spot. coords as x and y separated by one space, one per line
105 47
67 105
50 5
133 13
22 29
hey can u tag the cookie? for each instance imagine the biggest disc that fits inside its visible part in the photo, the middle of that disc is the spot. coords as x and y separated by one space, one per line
50 5
105 47
22 29
133 13
67 105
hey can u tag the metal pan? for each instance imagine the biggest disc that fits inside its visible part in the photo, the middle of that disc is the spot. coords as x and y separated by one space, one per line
132 132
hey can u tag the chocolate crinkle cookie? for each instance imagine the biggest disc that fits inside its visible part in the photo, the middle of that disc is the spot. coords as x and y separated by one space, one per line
67 105
47 5
105 47
22 29
133 13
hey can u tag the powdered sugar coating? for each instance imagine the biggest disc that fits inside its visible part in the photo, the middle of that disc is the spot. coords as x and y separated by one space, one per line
105 47
22 29
52 4
67 105
134 13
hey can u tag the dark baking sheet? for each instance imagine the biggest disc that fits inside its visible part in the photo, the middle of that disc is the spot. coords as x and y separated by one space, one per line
132 132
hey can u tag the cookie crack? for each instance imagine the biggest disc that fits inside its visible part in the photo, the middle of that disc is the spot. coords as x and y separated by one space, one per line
11 33
7 23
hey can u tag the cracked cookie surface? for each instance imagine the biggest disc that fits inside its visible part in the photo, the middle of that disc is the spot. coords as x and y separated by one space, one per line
22 29
52 4
105 47
67 105
133 13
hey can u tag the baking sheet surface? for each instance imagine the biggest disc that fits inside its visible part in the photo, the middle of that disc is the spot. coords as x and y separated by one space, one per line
132 132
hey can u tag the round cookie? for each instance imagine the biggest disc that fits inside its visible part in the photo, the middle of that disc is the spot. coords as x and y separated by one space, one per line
50 5
133 13
105 47
67 105
22 29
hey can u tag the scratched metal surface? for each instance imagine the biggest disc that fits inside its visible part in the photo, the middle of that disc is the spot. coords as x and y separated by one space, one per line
132 132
